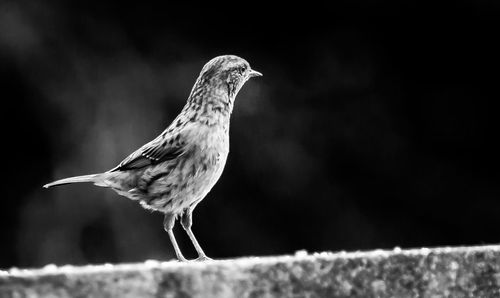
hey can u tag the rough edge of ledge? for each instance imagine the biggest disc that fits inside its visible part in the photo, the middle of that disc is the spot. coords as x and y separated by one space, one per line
426 272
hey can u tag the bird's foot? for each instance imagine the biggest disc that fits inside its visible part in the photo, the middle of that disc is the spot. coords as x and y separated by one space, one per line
203 258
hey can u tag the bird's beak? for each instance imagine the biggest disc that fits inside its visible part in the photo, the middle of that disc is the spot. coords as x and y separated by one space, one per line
254 73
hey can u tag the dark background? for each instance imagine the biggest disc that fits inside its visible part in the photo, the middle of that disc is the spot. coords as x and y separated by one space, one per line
374 126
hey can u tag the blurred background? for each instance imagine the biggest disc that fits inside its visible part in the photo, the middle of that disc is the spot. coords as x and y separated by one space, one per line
374 126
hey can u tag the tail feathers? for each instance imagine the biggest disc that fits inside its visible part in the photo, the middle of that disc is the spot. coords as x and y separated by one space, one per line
78 179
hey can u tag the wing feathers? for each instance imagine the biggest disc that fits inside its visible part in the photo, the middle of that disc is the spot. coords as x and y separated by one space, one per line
160 149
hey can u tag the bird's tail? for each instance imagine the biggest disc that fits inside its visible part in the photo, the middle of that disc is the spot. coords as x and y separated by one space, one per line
95 178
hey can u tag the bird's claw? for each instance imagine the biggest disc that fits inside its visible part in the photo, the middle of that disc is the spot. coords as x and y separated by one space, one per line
199 259
203 258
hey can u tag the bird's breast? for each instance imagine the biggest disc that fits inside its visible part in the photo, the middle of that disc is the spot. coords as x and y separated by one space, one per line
177 184
212 151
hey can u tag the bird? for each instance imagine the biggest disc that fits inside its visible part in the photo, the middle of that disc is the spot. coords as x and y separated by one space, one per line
177 169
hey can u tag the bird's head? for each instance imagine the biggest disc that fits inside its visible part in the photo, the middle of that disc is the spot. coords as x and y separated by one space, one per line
228 72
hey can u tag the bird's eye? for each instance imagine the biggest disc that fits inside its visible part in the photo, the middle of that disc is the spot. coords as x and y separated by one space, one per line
242 69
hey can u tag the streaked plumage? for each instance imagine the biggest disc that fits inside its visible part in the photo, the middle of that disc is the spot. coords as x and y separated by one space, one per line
176 170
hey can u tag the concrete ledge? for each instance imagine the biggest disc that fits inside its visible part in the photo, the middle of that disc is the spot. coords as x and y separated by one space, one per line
437 272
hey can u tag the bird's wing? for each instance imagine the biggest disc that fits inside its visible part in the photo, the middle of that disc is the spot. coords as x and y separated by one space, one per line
163 148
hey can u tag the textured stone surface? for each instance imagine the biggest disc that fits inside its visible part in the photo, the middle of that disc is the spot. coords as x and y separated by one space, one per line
440 272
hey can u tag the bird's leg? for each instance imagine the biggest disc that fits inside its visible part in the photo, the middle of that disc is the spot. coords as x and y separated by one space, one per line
187 222
168 225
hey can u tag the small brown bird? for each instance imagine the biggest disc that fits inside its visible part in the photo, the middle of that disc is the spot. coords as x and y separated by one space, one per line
176 170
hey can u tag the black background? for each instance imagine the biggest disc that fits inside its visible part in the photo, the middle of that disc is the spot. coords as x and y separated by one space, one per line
374 125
